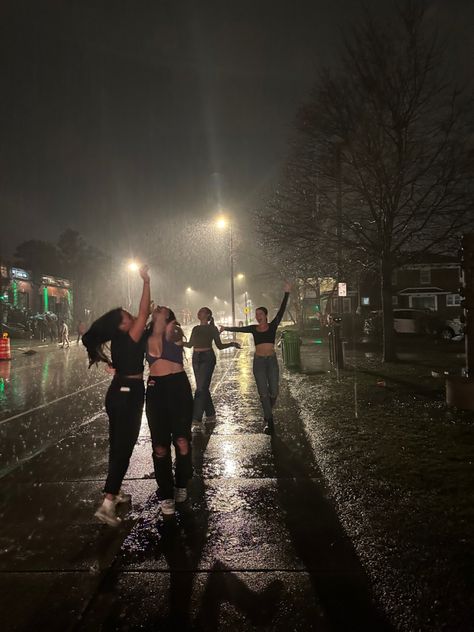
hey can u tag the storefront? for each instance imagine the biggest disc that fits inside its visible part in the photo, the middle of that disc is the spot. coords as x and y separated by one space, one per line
56 296
21 289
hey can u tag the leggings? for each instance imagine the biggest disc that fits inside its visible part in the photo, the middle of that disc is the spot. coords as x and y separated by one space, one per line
124 406
169 410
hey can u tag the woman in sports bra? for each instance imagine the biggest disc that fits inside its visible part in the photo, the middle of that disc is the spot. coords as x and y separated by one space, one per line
169 408
124 399
204 362
265 363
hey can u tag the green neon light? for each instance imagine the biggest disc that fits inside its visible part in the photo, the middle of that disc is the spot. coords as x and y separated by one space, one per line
15 293
318 342
45 299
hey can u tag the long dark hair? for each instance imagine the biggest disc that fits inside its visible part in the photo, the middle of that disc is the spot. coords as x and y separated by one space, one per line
210 317
99 334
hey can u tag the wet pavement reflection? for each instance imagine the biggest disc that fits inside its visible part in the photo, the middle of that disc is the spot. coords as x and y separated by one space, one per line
257 545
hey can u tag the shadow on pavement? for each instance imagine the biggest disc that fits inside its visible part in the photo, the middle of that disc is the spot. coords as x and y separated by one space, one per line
180 541
339 581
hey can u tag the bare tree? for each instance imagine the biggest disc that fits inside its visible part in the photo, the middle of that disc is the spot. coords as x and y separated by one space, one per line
383 170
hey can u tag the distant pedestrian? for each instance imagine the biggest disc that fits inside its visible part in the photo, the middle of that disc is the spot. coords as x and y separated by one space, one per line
81 330
265 363
124 399
65 335
204 362
169 408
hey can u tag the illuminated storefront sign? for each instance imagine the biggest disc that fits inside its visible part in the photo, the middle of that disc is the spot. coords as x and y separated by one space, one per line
55 282
19 273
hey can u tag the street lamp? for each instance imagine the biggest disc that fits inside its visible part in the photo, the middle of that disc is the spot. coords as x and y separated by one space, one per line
222 223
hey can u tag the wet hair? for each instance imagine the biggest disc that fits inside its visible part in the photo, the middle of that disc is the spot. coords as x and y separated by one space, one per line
262 309
99 334
210 317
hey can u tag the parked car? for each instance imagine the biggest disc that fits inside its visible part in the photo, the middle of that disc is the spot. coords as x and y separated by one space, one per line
452 328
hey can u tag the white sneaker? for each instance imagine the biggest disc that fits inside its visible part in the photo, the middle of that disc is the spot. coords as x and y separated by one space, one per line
180 494
167 507
106 514
122 498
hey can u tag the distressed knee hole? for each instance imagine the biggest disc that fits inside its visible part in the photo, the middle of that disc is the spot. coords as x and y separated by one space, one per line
160 451
182 445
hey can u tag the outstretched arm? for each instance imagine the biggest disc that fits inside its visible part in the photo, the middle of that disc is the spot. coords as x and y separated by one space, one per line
244 330
223 345
283 305
138 326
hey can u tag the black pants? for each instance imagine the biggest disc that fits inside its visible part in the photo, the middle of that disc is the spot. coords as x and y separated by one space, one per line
124 406
169 410
204 363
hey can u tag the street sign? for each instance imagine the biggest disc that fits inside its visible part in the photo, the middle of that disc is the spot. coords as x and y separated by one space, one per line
342 289
247 310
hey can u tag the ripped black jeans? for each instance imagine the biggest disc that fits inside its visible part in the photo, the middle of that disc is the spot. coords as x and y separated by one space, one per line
169 410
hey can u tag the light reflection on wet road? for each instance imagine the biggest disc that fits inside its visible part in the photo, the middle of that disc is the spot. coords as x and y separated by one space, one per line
258 544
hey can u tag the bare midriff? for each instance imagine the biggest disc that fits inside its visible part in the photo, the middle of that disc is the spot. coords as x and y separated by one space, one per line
161 367
137 376
265 349
202 349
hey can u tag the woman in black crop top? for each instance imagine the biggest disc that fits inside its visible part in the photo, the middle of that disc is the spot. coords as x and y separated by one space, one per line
204 362
265 363
124 400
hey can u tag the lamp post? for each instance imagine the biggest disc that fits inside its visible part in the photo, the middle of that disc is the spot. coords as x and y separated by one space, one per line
222 223
132 266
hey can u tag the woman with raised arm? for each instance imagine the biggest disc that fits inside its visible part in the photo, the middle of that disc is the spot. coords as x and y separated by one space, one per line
265 363
125 396
169 408
204 362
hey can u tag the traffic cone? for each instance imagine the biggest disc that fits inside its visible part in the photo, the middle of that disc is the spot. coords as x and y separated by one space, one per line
5 351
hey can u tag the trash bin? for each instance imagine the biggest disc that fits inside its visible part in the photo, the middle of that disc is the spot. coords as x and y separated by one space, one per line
290 347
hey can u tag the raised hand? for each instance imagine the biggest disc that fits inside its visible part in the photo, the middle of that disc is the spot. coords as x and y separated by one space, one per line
221 329
144 273
287 287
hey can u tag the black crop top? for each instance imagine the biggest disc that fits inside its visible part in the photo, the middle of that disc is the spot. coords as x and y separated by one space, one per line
128 356
269 335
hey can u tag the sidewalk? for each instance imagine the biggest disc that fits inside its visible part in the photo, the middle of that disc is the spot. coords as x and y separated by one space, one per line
259 545
399 466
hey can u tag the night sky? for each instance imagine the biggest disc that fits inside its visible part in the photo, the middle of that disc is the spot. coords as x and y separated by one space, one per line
120 118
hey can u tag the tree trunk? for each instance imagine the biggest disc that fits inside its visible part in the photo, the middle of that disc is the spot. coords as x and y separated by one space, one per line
389 351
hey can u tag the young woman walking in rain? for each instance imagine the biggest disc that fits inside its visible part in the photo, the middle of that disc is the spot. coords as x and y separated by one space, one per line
125 397
204 362
169 408
265 363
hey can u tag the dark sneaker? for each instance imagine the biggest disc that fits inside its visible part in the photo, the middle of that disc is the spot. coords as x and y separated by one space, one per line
269 428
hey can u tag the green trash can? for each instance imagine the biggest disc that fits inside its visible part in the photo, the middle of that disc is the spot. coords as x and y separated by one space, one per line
290 347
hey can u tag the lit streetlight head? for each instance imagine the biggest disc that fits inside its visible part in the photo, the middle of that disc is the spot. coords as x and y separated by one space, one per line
222 222
133 266
215 298
240 276
189 289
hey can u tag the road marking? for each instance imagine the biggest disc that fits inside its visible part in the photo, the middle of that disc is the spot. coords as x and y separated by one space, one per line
53 401
20 462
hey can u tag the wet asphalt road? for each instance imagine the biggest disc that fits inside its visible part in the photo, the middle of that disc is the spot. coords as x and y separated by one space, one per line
258 546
